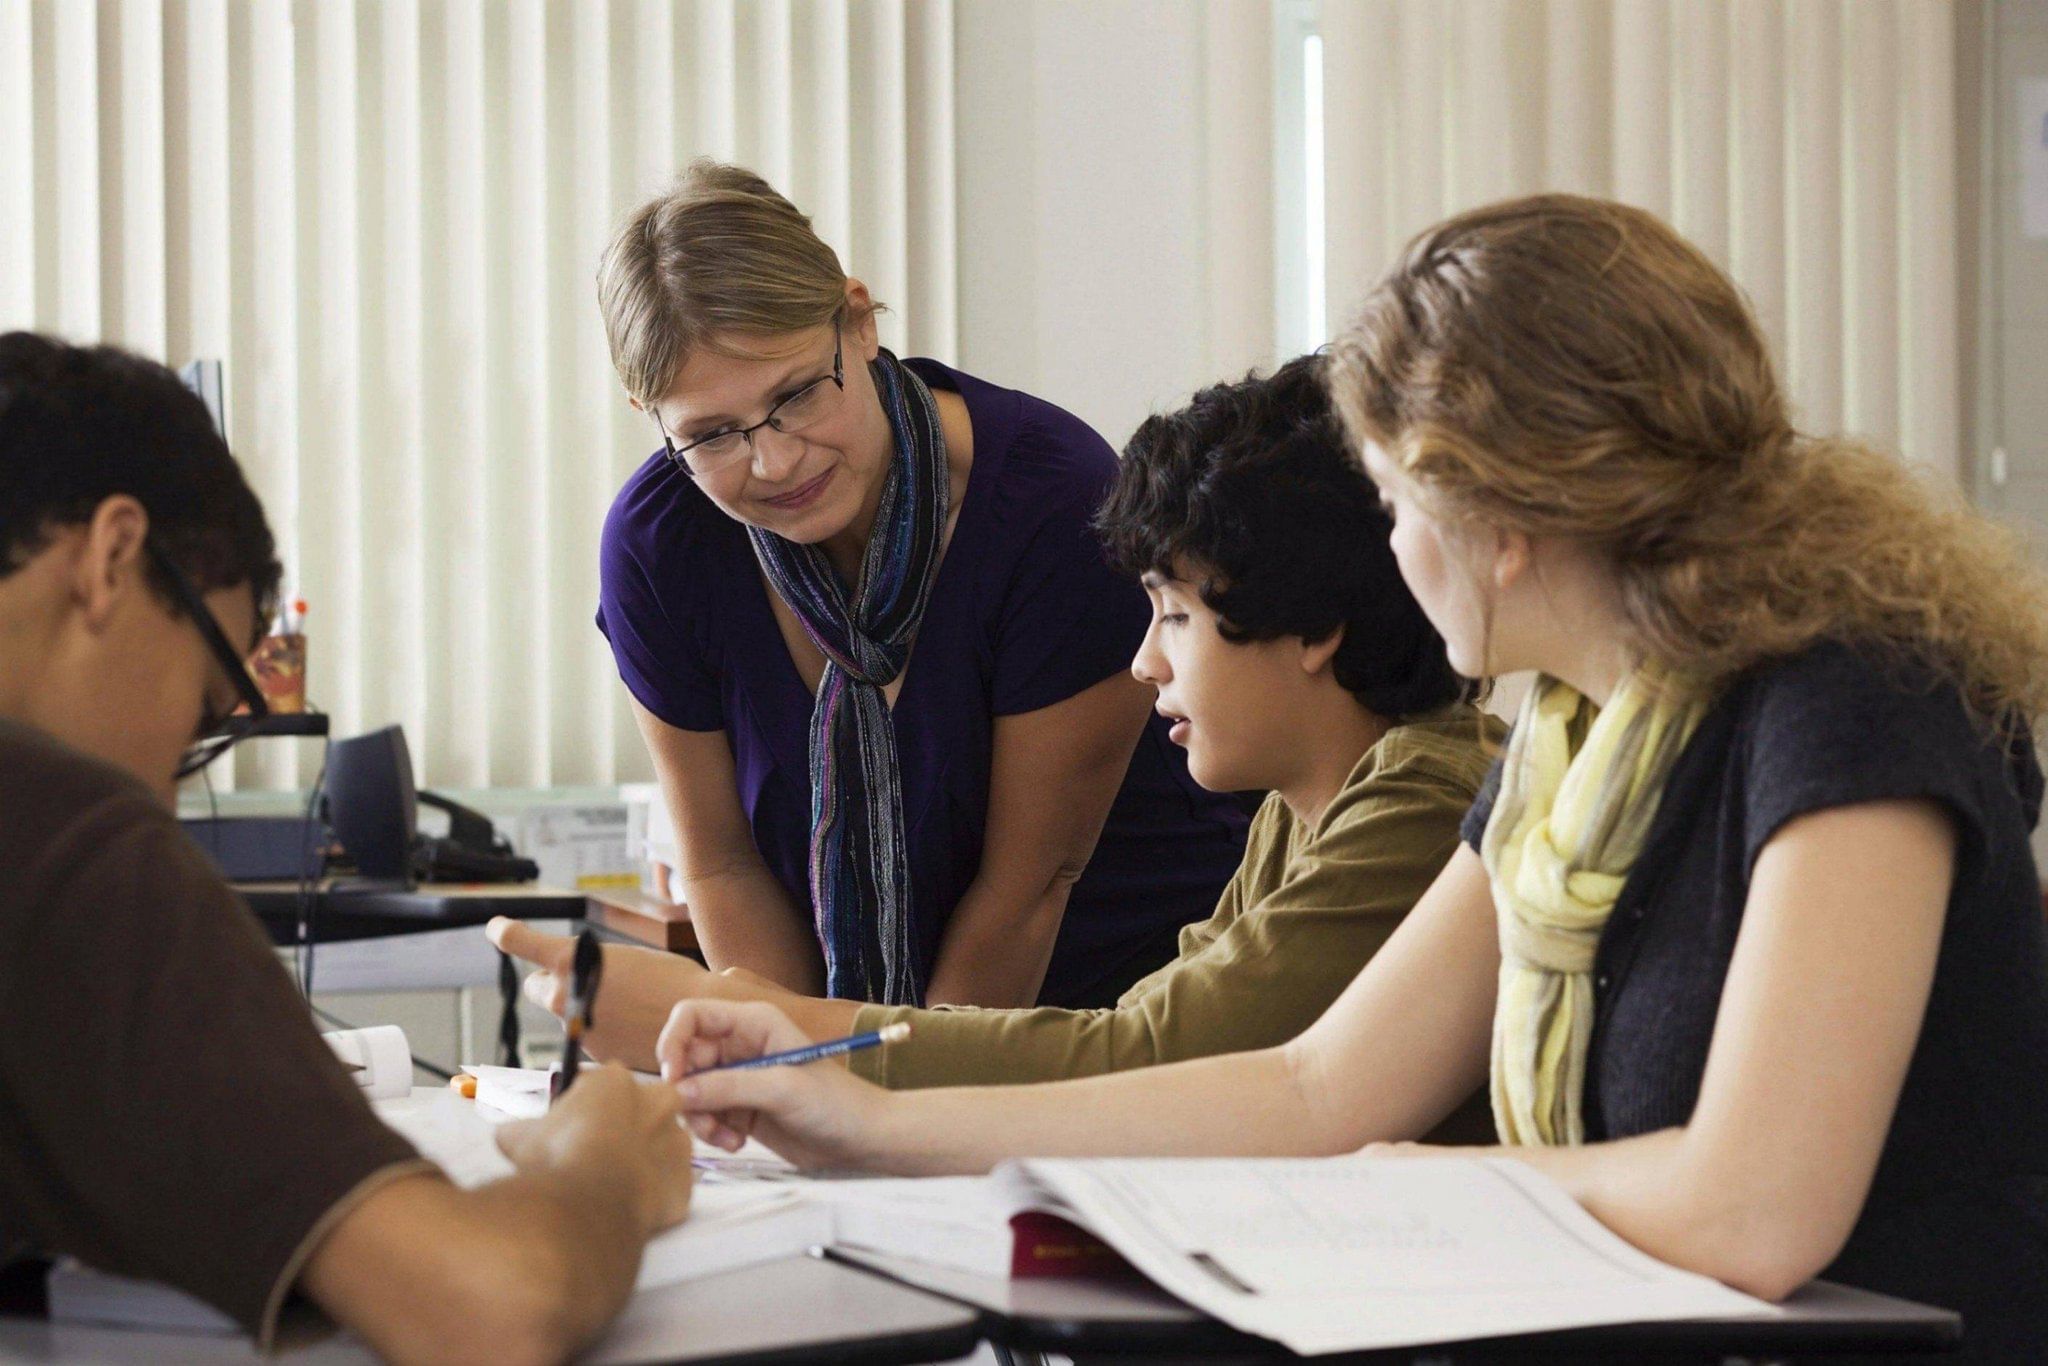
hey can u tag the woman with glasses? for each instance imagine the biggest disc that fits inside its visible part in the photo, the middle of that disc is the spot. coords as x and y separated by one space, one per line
873 646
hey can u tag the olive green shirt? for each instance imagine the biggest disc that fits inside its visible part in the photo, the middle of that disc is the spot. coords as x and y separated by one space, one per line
1307 908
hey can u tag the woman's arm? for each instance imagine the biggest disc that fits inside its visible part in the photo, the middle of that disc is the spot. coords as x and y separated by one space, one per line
1053 776
742 916
1398 1051
1817 1025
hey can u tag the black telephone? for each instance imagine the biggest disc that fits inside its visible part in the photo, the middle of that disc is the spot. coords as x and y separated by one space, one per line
373 809
471 851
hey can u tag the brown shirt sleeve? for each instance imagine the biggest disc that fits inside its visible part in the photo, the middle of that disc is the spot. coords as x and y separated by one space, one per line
1317 907
167 1109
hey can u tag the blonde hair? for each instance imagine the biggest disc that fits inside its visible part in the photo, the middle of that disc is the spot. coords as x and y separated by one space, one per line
717 254
1573 368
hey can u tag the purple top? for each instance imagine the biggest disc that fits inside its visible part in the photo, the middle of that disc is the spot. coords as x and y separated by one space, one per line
1025 613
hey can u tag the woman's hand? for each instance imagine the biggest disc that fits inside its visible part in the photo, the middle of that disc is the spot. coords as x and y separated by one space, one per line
639 987
815 1114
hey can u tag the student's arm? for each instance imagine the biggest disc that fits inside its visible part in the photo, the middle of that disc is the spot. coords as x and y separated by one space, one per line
527 1269
1053 775
1817 1025
742 916
1290 933
1404 1044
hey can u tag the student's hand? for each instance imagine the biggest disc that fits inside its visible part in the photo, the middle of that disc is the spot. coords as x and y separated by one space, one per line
612 1121
633 1000
814 1114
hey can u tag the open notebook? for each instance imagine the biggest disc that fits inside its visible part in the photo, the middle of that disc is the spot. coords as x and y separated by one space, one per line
1353 1253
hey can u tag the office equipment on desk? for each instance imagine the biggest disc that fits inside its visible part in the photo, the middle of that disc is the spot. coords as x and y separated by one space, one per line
260 848
832 1048
371 803
264 848
586 845
373 806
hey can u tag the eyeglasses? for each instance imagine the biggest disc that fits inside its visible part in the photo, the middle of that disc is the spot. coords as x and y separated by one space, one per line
217 731
805 408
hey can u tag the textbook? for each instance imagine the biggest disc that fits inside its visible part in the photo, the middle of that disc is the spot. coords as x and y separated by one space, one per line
967 1223
1356 1253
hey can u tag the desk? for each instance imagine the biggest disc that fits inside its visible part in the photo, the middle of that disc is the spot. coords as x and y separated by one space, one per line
1134 1320
649 920
343 913
799 1310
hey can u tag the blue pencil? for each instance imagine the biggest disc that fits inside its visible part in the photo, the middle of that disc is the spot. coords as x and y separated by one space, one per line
894 1033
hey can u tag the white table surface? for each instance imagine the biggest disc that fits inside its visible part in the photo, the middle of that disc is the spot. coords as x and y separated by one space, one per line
798 1304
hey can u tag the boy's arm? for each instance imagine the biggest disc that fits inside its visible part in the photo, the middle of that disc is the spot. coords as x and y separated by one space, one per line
525 1269
1268 975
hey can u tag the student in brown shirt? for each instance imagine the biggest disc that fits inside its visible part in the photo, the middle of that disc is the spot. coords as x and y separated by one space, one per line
1293 659
166 1108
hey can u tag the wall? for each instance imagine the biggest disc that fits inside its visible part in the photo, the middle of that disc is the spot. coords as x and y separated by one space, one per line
1087 174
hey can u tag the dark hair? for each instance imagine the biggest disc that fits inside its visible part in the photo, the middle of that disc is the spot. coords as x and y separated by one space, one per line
1252 483
79 424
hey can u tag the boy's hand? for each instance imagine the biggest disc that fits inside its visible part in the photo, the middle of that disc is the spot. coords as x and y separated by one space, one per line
621 1123
639 987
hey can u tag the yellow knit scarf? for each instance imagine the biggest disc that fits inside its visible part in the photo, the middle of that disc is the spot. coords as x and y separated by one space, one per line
1579 787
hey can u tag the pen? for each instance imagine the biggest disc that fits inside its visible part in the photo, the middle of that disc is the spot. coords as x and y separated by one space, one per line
586 969
853 1043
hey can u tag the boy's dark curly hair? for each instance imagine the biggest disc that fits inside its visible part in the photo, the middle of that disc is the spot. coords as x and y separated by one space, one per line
1252 487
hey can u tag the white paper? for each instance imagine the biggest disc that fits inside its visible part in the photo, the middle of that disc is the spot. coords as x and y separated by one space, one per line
380 1057
1355 1253
512 1092
2033 141
731 1224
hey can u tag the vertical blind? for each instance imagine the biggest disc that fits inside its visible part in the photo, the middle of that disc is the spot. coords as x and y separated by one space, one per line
1807 145
385 217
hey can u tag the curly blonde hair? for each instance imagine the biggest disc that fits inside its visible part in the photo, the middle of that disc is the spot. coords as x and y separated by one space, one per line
1573 368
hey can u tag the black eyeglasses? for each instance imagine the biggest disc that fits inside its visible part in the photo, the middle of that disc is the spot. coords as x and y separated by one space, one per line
804 408
216 733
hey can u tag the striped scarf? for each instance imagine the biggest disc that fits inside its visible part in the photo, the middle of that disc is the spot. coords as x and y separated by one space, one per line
1579 787
860 869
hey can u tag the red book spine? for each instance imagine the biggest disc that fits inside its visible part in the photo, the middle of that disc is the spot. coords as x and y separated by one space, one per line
1047 1245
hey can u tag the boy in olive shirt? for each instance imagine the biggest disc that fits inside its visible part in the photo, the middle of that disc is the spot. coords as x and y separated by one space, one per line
1291 658
166 1109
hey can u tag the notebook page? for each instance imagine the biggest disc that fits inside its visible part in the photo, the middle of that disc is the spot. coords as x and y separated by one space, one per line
729 1225
1353 1253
